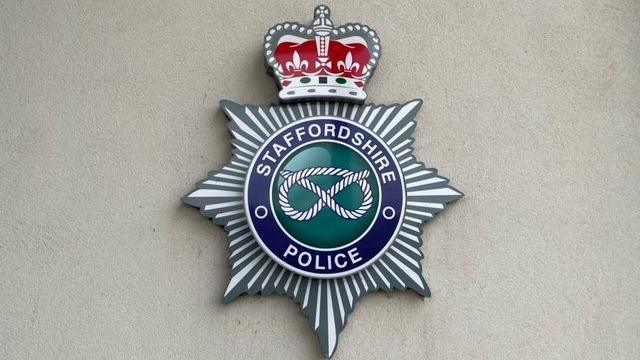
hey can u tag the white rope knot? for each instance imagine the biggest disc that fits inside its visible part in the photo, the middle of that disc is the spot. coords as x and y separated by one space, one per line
325 197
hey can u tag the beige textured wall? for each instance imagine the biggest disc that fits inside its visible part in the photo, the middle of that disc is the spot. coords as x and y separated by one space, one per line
109 114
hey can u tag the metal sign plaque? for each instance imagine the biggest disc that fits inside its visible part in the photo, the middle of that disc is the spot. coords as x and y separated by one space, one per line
323 199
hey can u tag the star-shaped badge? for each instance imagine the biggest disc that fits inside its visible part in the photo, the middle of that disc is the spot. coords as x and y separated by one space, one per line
323 199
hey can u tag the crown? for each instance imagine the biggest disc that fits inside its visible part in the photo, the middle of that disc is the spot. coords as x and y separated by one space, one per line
321 61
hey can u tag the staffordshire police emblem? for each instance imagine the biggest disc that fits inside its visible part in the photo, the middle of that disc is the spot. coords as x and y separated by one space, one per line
323 199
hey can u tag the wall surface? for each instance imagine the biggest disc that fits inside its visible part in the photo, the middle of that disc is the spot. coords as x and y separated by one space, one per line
109 114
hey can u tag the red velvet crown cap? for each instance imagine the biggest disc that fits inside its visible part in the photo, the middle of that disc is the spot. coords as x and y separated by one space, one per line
322 62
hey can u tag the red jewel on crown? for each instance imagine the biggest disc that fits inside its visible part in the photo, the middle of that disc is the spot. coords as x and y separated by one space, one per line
322 61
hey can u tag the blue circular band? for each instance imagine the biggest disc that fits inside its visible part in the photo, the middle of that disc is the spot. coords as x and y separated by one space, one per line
293 254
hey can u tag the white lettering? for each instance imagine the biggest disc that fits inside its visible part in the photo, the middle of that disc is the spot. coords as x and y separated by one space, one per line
368 147
388 176
329 130
343 132
314 130
299 132
263 169
279 149
354 255
288 138
339 264
323 262
291 250
382 162
268 157
306 262
357 139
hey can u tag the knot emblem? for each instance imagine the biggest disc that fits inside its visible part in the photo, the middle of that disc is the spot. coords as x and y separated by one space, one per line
325 197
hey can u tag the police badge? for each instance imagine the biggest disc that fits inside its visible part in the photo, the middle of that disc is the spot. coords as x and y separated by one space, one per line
323 199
